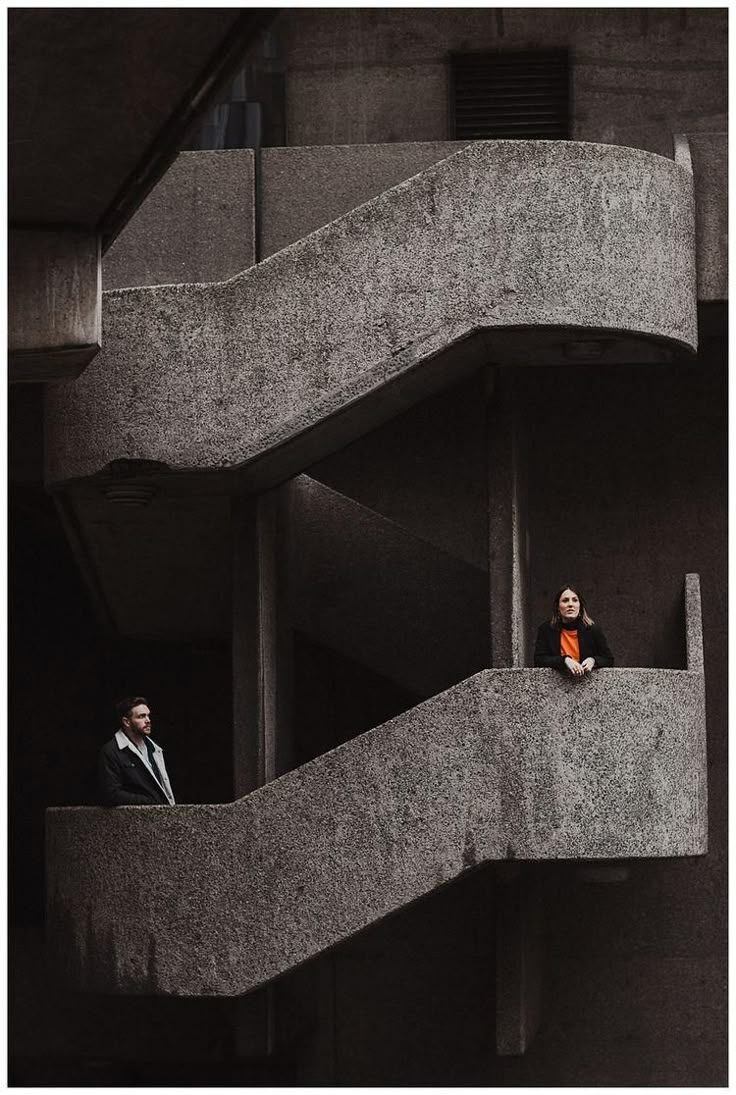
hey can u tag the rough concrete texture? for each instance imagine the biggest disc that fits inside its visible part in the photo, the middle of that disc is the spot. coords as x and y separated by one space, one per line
380 75
368 588
502 234
331 181
54 306
709 154
56 289
693 624
197 224
519 763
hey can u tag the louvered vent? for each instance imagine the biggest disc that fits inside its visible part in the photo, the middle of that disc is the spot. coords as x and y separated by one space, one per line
510 95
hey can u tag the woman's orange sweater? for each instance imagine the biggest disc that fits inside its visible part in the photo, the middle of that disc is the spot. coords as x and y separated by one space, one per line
569 645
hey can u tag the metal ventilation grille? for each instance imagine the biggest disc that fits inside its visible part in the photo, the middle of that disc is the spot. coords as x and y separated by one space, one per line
510 95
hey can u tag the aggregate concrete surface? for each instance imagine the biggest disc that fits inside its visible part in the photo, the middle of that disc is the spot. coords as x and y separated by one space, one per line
709 152
517 763
500 235
197 224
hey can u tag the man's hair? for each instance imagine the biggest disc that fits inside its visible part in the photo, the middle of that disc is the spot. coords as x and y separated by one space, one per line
124 707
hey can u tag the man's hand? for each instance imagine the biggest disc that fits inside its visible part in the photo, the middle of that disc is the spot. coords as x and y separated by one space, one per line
575 668
589 665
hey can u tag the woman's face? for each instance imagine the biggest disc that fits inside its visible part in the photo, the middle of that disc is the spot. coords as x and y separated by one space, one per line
569 605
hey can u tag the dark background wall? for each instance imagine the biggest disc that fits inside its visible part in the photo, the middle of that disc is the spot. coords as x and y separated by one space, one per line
638 75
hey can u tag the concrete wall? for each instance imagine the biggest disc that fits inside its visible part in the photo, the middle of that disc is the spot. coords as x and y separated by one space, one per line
409 1002
305 188
426 471
423 613
197 224
372 76
709 154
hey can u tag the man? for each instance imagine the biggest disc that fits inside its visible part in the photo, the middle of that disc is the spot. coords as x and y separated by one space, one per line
131 769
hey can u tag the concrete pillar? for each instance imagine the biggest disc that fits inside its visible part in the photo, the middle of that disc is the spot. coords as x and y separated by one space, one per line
518 909
518 958
261 651
508 554
54 303
261 641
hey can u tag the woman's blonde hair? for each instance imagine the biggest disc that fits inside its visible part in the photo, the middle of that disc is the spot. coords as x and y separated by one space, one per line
556 618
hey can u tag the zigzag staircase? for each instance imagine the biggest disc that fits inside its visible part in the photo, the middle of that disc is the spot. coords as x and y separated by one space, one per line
277 368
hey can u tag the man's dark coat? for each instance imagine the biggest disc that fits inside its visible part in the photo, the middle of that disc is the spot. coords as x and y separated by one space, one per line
592 644
124 780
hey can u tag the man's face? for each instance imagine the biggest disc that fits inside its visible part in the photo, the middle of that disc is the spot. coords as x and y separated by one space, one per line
138 720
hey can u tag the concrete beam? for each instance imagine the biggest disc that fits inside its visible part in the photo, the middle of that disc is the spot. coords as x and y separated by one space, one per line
54 304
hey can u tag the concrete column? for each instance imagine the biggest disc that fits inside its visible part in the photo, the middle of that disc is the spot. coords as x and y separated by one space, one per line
260 643
508 554
54 303
518 909
518 958
261 651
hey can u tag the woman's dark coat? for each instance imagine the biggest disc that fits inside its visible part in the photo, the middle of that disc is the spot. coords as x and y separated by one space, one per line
592 644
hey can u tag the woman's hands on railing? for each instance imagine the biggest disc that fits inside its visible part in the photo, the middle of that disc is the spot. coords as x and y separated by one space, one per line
579 669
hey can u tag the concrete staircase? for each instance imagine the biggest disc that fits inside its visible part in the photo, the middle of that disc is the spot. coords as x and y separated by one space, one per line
398 298
501 249
508 764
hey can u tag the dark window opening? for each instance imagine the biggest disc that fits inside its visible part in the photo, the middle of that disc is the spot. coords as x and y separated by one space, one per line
252 112
517 95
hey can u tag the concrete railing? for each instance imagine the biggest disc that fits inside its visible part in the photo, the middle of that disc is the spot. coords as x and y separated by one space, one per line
344 328
508 764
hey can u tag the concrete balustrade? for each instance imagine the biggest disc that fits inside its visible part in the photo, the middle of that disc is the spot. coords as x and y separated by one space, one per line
508 764
397 298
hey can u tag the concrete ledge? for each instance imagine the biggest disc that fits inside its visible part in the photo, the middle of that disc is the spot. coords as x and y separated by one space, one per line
506 234
517 763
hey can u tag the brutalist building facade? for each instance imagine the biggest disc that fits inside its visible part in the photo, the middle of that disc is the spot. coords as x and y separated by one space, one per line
426 318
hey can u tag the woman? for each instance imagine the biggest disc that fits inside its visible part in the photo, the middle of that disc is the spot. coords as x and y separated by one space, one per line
570 641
